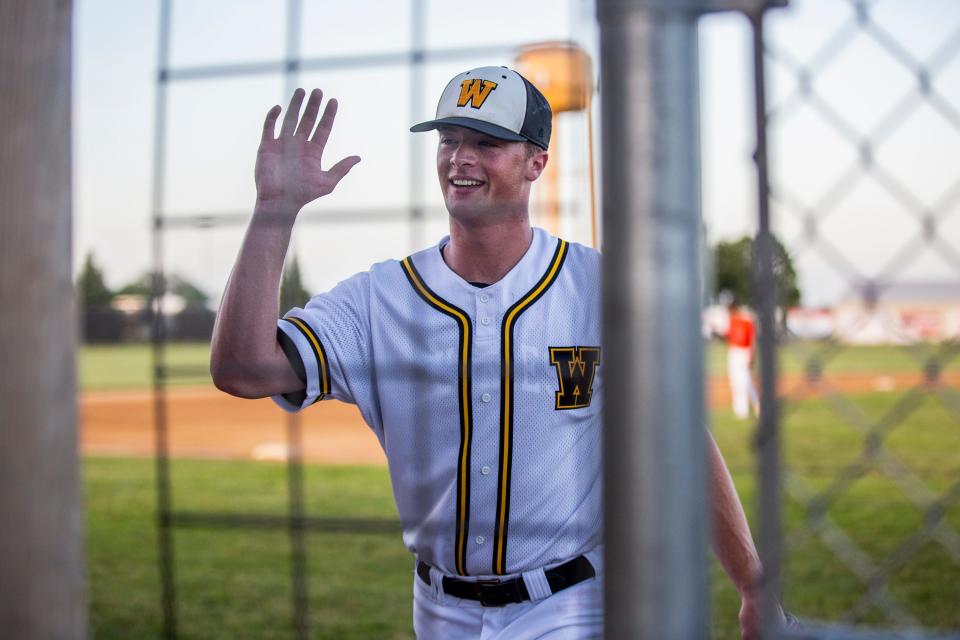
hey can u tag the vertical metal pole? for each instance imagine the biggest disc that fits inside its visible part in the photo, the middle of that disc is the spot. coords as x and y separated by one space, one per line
548 213
42 591
655 459
765 302
296 529
158 334
591 169
294 424
416 84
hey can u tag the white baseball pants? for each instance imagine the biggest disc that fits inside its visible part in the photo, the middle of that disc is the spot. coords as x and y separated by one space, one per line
742 389
575 613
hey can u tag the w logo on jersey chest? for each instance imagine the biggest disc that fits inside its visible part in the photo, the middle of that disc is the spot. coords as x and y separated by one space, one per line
576 368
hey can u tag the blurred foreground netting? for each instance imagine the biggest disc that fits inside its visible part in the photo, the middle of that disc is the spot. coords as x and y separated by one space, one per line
864 192
235 581
865 185
330 585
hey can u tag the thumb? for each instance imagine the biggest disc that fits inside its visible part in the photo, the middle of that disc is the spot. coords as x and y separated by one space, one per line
343 167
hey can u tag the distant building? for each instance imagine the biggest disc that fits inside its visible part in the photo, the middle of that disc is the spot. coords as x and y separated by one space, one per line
181 322
810 324
134 303
888 313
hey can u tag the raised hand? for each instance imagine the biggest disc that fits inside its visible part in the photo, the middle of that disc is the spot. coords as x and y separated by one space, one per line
288 172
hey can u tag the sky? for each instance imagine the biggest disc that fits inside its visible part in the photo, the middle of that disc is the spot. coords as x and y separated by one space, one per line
864 219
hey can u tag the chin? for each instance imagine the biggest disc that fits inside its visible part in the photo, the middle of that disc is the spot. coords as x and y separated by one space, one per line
468 212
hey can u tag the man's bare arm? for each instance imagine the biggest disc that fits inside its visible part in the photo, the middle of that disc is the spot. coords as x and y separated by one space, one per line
732 541
245 358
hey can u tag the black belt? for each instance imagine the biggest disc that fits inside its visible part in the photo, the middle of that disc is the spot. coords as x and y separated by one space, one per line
497 593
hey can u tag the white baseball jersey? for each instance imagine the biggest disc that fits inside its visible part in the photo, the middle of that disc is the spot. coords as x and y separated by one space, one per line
486 400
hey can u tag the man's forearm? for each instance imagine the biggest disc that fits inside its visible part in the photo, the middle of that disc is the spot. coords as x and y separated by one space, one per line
245 358
730 537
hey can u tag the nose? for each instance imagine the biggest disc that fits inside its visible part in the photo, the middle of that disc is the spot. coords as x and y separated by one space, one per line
464 154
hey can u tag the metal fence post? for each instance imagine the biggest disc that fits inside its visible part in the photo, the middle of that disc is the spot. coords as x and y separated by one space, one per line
158 337
654 468
767 440
41 540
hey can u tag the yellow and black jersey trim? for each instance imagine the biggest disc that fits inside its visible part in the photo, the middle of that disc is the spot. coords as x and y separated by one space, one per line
323 365
506 407
466 413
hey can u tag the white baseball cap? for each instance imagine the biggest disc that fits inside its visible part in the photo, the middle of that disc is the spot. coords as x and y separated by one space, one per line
496 101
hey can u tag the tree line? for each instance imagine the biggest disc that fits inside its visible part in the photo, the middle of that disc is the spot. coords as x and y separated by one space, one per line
103 320
733 272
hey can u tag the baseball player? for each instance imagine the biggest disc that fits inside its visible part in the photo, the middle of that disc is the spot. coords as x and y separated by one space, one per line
477 362
741 335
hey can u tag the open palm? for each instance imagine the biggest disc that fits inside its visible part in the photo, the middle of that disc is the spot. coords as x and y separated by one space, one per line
288 170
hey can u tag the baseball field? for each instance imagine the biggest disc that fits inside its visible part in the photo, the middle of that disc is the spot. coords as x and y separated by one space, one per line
227 457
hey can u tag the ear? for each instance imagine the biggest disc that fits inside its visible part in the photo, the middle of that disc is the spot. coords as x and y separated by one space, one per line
536 164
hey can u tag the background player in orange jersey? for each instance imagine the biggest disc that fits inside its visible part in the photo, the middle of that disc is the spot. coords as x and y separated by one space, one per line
741 341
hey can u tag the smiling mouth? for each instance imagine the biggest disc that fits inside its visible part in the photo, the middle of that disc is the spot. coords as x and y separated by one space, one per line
466 183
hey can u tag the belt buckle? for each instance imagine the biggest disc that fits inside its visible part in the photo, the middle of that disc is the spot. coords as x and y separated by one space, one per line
488 597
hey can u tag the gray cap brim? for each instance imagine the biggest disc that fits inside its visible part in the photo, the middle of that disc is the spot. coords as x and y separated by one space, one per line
493 130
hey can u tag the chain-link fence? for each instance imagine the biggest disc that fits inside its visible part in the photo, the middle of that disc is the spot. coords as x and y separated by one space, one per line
857 402
377 66
862 195
868 203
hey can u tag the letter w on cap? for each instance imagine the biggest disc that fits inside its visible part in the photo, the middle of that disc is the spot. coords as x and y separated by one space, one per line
474 92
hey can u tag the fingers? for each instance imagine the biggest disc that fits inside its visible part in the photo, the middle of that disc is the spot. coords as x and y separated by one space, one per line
294 125
343 167
293 113
270 123
326 124
310 114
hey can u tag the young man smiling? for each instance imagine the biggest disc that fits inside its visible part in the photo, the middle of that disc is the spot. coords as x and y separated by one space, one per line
486 188
476 362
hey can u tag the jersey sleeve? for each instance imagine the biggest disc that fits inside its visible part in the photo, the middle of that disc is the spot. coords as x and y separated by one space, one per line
327 344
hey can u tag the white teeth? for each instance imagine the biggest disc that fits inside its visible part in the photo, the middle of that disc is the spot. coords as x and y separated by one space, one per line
466 183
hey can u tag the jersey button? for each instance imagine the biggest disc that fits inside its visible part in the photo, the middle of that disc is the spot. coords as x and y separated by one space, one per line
485 470
485 397
481 539
484 297
484 321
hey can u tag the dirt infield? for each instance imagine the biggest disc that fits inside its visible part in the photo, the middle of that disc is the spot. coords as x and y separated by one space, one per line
205 423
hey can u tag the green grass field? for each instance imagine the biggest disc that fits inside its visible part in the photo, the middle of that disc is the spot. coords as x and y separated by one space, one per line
872 508
845 360
236 584
128 366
